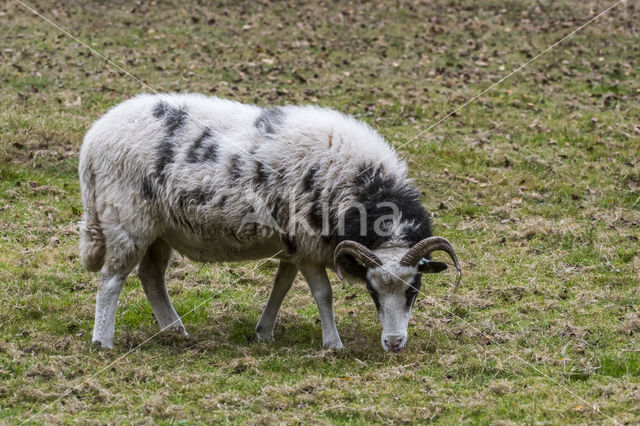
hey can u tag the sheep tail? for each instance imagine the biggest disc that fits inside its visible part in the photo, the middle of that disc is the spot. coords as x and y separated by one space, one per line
92 241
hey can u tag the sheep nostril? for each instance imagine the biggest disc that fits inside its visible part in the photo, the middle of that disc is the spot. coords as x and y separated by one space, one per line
394 343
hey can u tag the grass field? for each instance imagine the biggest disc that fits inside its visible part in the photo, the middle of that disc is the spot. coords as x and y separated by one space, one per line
536 183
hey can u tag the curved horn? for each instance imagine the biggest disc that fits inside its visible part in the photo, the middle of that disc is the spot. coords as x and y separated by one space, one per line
427 246
361 253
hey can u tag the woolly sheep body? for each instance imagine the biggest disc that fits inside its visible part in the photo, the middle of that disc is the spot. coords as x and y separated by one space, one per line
199 206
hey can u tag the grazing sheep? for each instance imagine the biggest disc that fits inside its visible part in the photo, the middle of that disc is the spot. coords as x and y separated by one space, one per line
219 181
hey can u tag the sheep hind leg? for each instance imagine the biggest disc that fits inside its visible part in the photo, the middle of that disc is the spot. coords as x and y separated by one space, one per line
121 255
112 278
284 279
152 275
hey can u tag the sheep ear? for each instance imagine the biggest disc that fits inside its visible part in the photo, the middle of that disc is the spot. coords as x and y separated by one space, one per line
427 266
351 267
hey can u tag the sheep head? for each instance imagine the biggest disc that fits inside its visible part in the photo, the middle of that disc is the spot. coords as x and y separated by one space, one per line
393 284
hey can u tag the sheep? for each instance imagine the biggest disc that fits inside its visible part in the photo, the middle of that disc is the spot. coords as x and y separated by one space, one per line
217 181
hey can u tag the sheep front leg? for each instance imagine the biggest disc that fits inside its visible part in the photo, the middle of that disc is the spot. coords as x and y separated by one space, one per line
284 279
318 281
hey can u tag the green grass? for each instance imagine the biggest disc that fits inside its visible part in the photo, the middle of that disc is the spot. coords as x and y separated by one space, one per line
536 183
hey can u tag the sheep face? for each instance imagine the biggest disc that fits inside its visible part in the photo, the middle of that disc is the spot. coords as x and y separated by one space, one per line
394 289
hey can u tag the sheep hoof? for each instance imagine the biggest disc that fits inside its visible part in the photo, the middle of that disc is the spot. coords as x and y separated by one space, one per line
97 344
265 338
178 329
333 345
